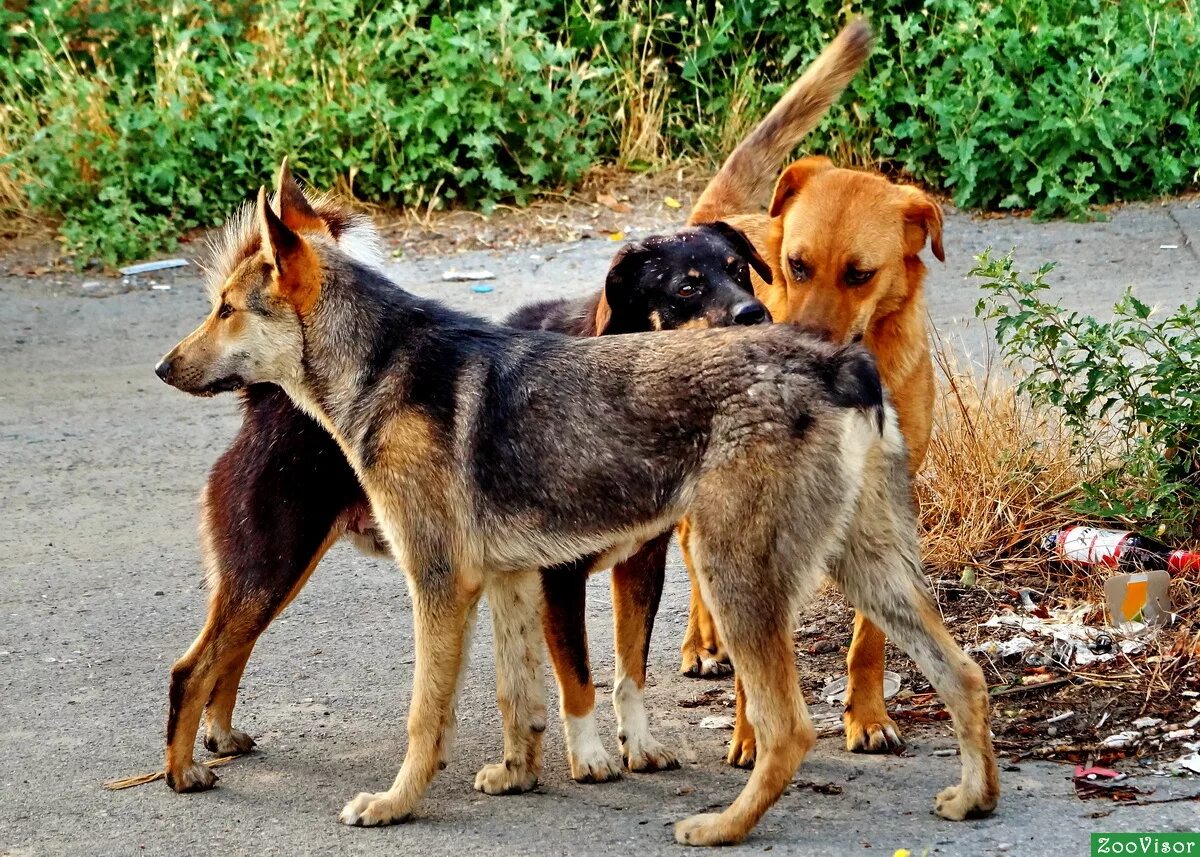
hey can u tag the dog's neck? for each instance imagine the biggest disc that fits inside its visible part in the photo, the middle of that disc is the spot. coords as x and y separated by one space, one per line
364 331
369 351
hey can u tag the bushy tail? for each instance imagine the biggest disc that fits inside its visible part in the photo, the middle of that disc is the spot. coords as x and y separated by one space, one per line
747 176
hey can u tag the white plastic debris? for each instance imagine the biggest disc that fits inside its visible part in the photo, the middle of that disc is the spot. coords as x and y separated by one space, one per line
1065 627
1121 739
1190 762
717 721
1059 718
147 267
1179 734
1146 722
834 692
1005 648
161 287
453 275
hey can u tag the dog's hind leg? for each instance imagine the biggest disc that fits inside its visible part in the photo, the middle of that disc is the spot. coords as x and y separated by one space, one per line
884 581
565 627
879 570
443 610
637 585
701 655
212 668
269 511
516 600
752 597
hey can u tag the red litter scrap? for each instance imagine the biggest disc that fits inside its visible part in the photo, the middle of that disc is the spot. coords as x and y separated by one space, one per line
1093 782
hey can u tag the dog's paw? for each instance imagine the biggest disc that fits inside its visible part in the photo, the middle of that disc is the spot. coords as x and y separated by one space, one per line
742 750
644 755
231 743
594 766
705 829
502 779
957 803
876 733
194 778
698 662
372 809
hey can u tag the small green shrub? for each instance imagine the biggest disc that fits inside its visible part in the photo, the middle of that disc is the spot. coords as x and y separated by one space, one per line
1125 388
132 126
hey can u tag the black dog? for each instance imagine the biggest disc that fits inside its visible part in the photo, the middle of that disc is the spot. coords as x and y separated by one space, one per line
283 493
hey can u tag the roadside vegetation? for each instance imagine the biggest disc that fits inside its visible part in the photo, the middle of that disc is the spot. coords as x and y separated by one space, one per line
129 122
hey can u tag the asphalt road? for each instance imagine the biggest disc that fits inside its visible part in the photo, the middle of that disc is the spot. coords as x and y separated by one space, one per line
99 593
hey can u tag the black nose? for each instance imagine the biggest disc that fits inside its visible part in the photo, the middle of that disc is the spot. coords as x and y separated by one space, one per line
749 313
163 369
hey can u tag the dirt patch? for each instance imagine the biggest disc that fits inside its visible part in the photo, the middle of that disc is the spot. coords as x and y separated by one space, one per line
608 204
1042 707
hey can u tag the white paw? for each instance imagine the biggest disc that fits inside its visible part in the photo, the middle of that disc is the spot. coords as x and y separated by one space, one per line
371 809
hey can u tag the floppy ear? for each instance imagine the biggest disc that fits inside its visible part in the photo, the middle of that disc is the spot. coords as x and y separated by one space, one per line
744 246
922 219
297 276
601 315
622 272
794 178
295 210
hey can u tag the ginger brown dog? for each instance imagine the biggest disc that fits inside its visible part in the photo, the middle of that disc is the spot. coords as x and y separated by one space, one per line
844 247
478 450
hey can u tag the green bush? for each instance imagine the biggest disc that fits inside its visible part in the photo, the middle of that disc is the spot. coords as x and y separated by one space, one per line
132 127
1125 388
130 124
1050 105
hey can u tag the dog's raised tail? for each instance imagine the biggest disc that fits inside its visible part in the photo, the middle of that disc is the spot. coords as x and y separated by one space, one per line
745 180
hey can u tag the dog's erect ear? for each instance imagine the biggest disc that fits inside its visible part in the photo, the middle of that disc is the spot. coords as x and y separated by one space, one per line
297 276
295 210
922 219
794 178
744 246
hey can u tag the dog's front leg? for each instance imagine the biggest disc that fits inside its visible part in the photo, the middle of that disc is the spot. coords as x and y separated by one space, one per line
516 603
443 610
564 621
637 585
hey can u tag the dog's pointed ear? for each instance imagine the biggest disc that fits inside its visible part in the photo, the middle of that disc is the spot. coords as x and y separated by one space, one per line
744 246
297 272
295 210
794 178
922 220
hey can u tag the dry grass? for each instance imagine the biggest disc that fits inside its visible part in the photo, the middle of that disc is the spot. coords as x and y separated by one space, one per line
998 475
644 88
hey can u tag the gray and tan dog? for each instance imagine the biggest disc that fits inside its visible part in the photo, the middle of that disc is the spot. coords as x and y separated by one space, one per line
489 453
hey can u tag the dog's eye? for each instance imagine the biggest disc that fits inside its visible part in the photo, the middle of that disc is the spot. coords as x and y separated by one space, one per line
800 271
687 290
225 311
855 277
